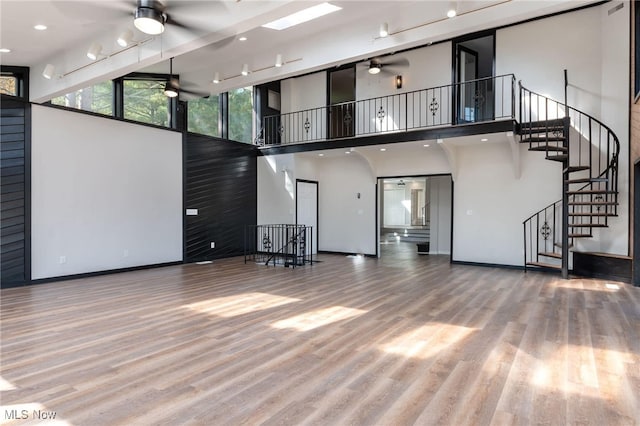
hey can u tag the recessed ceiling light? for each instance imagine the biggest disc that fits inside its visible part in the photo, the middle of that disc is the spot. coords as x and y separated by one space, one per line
347 152
4 50
40 27
243 38
383 149
426 145
321 155
302 16
484 140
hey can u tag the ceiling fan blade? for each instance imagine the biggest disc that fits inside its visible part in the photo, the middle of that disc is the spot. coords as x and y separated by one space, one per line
400 62
94 12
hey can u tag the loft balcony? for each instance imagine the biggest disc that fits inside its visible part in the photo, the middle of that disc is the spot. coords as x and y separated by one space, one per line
483 105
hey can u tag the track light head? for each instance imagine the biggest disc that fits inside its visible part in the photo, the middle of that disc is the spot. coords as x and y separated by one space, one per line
125 38
245 70
384 29
94 51
48 71
148 18
278 60
452 12
216 78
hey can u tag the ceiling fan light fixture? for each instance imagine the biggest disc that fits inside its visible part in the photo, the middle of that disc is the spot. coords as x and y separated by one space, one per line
149 20
384 29
374 68
94 51
170 90
125 38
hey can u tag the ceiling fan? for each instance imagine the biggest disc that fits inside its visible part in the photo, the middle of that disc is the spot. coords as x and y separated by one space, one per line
172 87
377 65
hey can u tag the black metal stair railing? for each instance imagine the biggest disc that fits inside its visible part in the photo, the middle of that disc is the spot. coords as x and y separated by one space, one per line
279 244
485 99
589 151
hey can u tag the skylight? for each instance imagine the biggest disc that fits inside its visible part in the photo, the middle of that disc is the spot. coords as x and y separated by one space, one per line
302 16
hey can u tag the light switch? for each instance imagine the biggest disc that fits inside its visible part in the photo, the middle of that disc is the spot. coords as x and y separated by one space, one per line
192 212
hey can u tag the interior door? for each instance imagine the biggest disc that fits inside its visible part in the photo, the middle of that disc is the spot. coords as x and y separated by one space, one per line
342 96
307 208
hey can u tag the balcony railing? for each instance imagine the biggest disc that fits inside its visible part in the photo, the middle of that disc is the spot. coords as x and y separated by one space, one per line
485 99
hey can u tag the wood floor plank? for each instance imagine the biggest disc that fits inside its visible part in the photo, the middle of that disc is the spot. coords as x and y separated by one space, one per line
400 340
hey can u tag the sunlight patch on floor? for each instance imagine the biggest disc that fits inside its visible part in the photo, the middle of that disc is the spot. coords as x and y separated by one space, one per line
239 304
427 340
318 318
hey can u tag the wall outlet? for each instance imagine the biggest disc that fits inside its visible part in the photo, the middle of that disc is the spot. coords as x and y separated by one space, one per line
63 259
213 245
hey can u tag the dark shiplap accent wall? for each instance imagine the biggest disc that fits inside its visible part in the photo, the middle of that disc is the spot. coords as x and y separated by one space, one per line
220 181
14 194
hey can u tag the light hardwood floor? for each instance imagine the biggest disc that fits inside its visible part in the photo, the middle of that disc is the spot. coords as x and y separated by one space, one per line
401 340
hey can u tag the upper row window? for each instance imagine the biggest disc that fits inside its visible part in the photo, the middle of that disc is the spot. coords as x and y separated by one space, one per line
98 99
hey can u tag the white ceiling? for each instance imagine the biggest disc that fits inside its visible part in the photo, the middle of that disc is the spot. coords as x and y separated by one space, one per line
211 44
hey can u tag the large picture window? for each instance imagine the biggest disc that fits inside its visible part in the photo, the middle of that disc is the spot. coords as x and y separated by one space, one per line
144 101
203 116
98 99
241 114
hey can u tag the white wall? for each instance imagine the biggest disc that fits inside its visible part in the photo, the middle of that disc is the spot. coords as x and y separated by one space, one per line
347 223
299 94
440 224
490 204
276 189
105 194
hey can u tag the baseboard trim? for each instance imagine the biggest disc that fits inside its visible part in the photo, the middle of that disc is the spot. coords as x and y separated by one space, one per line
95 274
487 265
345 253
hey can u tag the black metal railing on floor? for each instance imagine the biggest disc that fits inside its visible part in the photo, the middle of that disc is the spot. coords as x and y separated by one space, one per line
484 99
279 244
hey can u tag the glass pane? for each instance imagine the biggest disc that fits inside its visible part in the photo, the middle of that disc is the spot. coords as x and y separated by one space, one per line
203 116
98 98
144 101
9 85
241 115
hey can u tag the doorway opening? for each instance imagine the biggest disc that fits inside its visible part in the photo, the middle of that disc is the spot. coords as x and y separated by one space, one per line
342 96
474 61
415 215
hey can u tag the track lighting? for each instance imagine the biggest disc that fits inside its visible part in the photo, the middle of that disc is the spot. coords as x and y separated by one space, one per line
148 19
125 38
216 78
384 29
48 71
374 68
278 60
94 51
245 70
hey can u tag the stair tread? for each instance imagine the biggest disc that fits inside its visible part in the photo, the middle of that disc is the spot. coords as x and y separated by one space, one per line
580 235
592 203
591 191
561 157
540 139
546 148
572 169
544 265
594 214
551 254
586 180
587 225
542 123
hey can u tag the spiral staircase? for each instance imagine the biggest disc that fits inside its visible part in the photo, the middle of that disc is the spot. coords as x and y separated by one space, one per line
588 151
